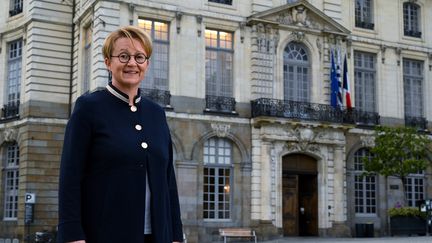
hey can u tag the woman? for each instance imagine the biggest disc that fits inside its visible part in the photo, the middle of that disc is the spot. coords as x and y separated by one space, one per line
117 181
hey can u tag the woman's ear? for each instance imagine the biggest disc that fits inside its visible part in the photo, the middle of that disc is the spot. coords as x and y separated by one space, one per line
107 63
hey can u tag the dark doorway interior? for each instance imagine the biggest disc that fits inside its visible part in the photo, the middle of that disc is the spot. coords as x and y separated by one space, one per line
300 195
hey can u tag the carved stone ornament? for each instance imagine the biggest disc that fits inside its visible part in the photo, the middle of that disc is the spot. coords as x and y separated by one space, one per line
298 36
221 130
305 139
267 38
367 141
8 135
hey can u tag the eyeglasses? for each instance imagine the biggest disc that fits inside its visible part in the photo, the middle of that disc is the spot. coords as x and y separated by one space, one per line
139 58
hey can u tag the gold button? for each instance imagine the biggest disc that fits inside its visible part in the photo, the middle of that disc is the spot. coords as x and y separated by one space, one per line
133 108
144 145
138 127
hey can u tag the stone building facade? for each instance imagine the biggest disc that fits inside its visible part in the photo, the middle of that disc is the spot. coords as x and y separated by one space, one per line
246 88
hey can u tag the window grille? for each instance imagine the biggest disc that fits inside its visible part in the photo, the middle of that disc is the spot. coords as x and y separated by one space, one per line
11 181
365 81
364 14
158 72
296 71
413 87
411 15
365 194
16 7
219 63
217 187
414 188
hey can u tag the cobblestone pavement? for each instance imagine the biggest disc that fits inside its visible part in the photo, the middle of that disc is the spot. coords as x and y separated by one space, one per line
414 239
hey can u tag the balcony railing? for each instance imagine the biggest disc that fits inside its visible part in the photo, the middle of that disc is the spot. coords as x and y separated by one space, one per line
364 25
229 2
311 112
10 111
15 11
412 33
220 104
417 122
162 97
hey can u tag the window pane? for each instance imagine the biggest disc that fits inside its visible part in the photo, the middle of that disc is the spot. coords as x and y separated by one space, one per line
158 72
219 63
296 73
217 186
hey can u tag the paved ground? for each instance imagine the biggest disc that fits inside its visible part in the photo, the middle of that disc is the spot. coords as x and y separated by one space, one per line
414 239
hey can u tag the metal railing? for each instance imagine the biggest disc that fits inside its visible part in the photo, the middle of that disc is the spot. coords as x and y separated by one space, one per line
417 122
162 97
220 104
311 112
10 110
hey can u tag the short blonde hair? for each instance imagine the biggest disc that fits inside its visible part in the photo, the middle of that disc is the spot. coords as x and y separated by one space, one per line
131 32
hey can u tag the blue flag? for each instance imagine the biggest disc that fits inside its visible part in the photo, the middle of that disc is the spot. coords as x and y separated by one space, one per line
334 83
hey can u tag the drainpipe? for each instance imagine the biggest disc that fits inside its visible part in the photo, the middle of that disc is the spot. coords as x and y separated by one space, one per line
71 58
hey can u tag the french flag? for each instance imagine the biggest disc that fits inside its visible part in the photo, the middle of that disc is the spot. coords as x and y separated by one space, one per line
346 89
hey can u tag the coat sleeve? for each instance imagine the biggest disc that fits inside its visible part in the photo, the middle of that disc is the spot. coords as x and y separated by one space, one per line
177 226
75 149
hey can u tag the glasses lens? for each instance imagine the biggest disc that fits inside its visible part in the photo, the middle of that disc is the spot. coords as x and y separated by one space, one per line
124 57
140 58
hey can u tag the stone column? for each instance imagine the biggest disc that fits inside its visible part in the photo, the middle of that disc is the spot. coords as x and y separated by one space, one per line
339 186
265 181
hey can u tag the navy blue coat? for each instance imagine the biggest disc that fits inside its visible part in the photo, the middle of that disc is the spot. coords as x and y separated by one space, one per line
103 169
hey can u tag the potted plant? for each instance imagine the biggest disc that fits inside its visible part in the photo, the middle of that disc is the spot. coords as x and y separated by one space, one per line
407 221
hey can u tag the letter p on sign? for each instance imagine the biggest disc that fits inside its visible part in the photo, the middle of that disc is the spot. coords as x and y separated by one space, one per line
30 198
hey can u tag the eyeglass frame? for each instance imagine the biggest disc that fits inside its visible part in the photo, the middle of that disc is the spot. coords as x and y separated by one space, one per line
129 57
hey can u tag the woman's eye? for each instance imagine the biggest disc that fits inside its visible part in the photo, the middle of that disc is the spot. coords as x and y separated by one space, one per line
124 56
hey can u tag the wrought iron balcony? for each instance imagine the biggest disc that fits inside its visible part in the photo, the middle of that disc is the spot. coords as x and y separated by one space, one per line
417 122
229 2
364 25
311 112
162 97
220 104
10 110
412 33
15 11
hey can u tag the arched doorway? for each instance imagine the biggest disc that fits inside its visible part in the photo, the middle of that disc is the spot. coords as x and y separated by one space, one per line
300 195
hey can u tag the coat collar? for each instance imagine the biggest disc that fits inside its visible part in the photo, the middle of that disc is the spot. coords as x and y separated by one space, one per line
122 96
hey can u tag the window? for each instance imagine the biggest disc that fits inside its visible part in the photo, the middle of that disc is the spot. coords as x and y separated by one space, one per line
11 108
157 73
364 14
414 188
87 64
229 2
11 175
364 186
364 79
219 63
16 7
413 86
217 178
296 70
411 16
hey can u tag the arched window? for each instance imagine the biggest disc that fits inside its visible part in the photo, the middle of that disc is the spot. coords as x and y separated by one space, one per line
365 187
217 178
411 16
11 180
296 73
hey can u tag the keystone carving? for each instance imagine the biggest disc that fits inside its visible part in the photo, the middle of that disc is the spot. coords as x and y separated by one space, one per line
221 130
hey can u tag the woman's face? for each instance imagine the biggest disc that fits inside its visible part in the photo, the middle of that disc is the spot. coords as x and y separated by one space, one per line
131 73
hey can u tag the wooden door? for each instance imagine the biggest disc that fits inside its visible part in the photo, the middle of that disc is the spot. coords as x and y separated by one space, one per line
290 205
308 205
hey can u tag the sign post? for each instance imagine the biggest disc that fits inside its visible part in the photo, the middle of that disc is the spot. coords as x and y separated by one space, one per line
30 200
